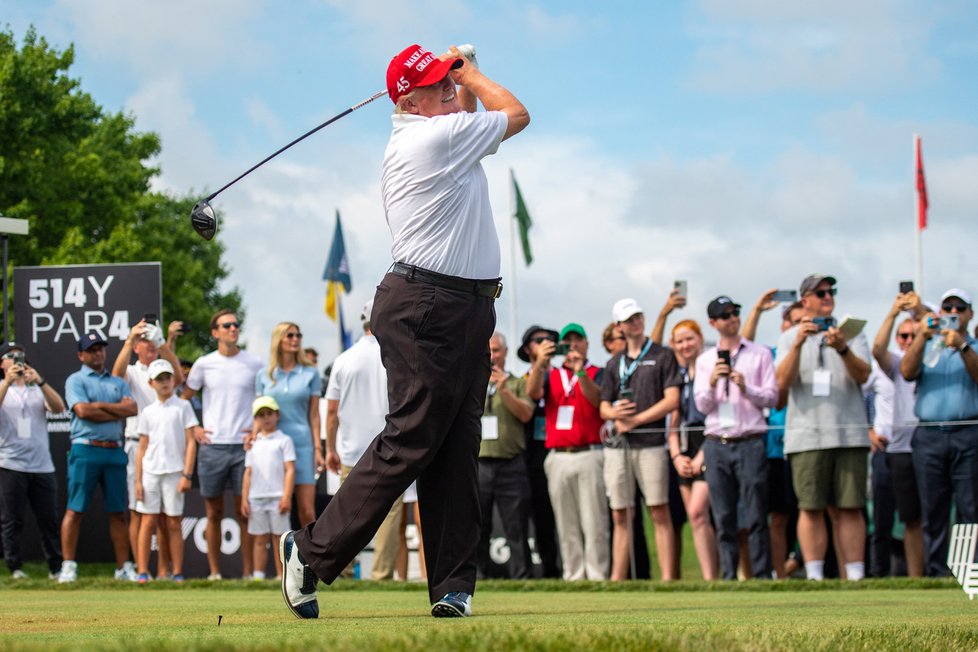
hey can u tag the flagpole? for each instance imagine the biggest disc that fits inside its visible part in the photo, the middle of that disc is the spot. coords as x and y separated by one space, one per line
512 270
918 240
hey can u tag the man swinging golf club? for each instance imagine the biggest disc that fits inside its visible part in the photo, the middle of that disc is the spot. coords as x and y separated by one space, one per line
433 315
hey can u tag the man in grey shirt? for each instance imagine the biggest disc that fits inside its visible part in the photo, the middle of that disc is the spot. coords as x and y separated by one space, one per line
826 433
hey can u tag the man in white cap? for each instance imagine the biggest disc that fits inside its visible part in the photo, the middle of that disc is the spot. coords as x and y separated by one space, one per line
639 389
434 313
356 404
943 361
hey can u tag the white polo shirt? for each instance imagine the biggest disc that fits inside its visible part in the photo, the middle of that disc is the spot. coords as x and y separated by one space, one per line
435 192
266 459
228 383
359 382
165 425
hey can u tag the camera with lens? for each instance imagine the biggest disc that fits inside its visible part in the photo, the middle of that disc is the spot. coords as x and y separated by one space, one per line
561 348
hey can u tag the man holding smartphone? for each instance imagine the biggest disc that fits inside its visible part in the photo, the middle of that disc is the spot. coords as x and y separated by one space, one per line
640 388
826 438
575 460
943 361
142 342
734 383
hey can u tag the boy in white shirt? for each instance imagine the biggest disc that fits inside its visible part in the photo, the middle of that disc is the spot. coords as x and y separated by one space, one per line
164 467
269 479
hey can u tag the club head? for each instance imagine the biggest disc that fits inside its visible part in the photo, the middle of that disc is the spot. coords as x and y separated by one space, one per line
204 219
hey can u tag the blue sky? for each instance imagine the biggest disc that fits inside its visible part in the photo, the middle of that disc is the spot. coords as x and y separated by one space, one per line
738 144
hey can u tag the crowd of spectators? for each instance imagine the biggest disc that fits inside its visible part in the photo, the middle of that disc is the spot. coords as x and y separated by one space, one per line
771 454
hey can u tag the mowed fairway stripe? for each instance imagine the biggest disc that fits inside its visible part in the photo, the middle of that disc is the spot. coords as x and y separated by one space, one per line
186 618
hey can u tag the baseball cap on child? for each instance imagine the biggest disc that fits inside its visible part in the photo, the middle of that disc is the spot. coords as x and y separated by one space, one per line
264 402
158 367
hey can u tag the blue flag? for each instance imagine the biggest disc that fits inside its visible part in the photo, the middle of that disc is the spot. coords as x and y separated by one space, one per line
337 272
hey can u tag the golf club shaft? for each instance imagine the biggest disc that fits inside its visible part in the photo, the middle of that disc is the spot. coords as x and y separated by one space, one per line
302 137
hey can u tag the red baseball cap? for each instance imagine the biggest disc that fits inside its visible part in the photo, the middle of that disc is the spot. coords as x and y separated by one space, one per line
413 67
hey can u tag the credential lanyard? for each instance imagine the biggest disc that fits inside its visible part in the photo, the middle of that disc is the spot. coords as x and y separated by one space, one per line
567 380
625 373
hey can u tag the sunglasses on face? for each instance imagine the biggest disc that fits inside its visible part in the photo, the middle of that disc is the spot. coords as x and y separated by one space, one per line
729 314
229 325
951 306
905 336
293 336
541 338
821 294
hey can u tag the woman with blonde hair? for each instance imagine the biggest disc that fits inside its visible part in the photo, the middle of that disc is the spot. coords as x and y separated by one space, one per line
685 447
294 383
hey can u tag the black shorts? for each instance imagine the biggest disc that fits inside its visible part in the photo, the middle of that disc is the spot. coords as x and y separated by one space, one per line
904 483
780 495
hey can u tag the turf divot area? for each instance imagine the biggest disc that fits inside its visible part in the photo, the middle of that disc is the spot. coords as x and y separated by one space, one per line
98 613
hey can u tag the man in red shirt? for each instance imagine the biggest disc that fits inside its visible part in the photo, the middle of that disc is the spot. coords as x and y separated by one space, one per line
575 461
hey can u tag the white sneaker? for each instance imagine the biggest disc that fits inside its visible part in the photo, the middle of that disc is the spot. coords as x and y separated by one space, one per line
19 575
53 575
213 577
127 573
69 572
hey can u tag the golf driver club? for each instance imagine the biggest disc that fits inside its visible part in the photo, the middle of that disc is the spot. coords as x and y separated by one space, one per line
203 217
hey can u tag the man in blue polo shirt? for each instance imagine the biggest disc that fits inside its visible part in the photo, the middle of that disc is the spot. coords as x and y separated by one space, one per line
99 404
943 361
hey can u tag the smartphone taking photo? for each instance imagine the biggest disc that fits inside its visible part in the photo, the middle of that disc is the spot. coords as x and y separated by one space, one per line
680 288
785 296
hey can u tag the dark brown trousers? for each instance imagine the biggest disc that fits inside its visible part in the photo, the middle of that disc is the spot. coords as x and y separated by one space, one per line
434 343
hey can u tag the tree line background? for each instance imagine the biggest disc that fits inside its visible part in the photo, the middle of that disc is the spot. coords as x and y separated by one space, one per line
81 176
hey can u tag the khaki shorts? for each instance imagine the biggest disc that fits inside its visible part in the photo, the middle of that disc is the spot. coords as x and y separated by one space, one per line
649 467
834 476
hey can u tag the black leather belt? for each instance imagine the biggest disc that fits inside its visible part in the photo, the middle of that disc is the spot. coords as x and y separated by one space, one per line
725 439
491 288
576 449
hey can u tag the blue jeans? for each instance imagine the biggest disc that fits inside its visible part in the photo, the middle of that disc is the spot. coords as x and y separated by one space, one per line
738 470
945 462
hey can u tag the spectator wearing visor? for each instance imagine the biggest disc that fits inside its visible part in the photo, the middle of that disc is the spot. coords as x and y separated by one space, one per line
943 362
826 428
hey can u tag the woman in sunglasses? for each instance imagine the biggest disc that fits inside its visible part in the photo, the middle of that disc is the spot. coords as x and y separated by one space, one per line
26 469
294 383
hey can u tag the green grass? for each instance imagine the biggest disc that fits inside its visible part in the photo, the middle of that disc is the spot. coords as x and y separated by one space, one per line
98 612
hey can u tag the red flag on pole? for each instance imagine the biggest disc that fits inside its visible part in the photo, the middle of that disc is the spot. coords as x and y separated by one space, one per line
921 190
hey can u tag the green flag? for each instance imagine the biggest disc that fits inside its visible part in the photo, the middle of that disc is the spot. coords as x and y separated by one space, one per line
523 219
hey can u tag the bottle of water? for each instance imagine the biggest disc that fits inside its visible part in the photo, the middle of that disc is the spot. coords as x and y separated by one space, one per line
933 353
356 569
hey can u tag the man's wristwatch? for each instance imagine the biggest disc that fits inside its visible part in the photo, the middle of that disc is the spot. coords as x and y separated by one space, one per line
188 476
964 347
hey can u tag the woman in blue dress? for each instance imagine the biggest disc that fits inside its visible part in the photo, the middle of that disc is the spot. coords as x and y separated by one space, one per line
295 384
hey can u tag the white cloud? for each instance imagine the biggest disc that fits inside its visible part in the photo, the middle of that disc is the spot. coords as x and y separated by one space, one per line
193 37
751 46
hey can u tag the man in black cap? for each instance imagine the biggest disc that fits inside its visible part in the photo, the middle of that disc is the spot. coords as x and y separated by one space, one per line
99 404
